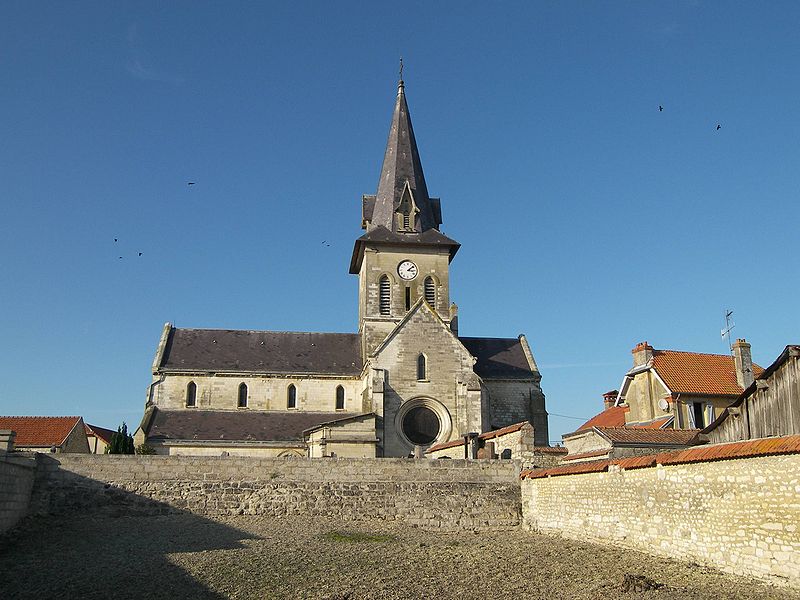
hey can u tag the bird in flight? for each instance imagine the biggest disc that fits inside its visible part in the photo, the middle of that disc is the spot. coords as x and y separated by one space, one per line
719 126
190 183
660 108
140 253
116 240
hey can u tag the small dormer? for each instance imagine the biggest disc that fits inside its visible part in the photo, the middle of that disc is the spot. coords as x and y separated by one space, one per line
407 211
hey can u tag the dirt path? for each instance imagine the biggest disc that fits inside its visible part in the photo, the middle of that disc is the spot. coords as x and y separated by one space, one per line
186 556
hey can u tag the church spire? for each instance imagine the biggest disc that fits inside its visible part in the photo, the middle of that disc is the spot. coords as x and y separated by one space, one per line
402 203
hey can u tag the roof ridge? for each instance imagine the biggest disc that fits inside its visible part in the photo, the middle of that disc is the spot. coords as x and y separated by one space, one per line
690 352
262 331
38 417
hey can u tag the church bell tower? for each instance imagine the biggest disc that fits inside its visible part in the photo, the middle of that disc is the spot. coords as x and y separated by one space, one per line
402 257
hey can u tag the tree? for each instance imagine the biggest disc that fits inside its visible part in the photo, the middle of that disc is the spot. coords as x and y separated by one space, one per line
121 442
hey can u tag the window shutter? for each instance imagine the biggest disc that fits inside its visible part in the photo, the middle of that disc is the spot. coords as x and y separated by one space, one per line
690 411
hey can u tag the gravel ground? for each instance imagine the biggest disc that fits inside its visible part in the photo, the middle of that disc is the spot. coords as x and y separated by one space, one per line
186 556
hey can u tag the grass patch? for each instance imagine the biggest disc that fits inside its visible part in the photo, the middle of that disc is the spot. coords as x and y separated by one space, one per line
355 537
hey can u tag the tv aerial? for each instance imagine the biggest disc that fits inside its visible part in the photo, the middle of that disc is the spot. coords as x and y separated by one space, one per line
729 325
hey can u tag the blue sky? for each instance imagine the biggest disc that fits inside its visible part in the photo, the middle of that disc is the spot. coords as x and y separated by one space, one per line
589 220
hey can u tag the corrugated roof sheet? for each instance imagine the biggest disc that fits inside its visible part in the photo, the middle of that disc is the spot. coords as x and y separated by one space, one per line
746 449
39 431
695 373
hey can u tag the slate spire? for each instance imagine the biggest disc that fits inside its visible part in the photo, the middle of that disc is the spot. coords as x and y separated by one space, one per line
401 188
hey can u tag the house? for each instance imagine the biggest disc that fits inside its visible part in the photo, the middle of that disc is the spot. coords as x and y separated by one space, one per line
99 439
609 434
770 406
47 434
405 380
599 443
689 389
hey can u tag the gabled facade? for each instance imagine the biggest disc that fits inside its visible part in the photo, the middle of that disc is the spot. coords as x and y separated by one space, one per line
406 373
47 434
691 388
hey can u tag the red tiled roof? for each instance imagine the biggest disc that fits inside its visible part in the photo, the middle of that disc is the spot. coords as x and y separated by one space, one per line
593 454
502 431
746 449
694 373
100 432
493 434
39 431
445 445
654 424
643 435
610 417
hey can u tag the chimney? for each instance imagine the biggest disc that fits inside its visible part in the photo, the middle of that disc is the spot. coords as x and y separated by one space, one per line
642 354
743 362
610 398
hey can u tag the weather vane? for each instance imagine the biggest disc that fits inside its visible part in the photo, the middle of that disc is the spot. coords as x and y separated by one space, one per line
401 68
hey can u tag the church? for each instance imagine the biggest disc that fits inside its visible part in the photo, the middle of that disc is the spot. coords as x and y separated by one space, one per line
404 382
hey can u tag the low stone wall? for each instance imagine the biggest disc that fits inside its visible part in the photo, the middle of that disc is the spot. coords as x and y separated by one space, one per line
453 494
741 515
16 482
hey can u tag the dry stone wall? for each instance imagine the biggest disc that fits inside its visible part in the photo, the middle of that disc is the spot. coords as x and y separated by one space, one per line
741 516
16 482
445 494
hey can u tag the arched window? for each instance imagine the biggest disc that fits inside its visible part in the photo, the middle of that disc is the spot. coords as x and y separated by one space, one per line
242 396
385 295
422 367
339 398
191 394
291 396
430 291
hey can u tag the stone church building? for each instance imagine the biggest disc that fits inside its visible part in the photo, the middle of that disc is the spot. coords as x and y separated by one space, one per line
405 379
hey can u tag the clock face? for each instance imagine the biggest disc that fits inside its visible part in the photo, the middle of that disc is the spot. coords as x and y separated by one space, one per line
407 270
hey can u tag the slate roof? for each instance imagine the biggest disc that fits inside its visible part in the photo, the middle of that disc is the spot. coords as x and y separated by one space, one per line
498 358
401 165
246 351
40 431
701 374
234 425
100 432
381 235
221 350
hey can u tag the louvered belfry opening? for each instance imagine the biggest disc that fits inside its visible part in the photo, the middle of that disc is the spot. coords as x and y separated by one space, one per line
385 296
430 291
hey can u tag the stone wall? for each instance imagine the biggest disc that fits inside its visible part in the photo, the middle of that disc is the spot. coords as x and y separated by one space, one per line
263 392
16 482
446 494
741 516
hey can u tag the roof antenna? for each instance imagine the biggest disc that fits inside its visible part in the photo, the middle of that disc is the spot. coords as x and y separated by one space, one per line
729 325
